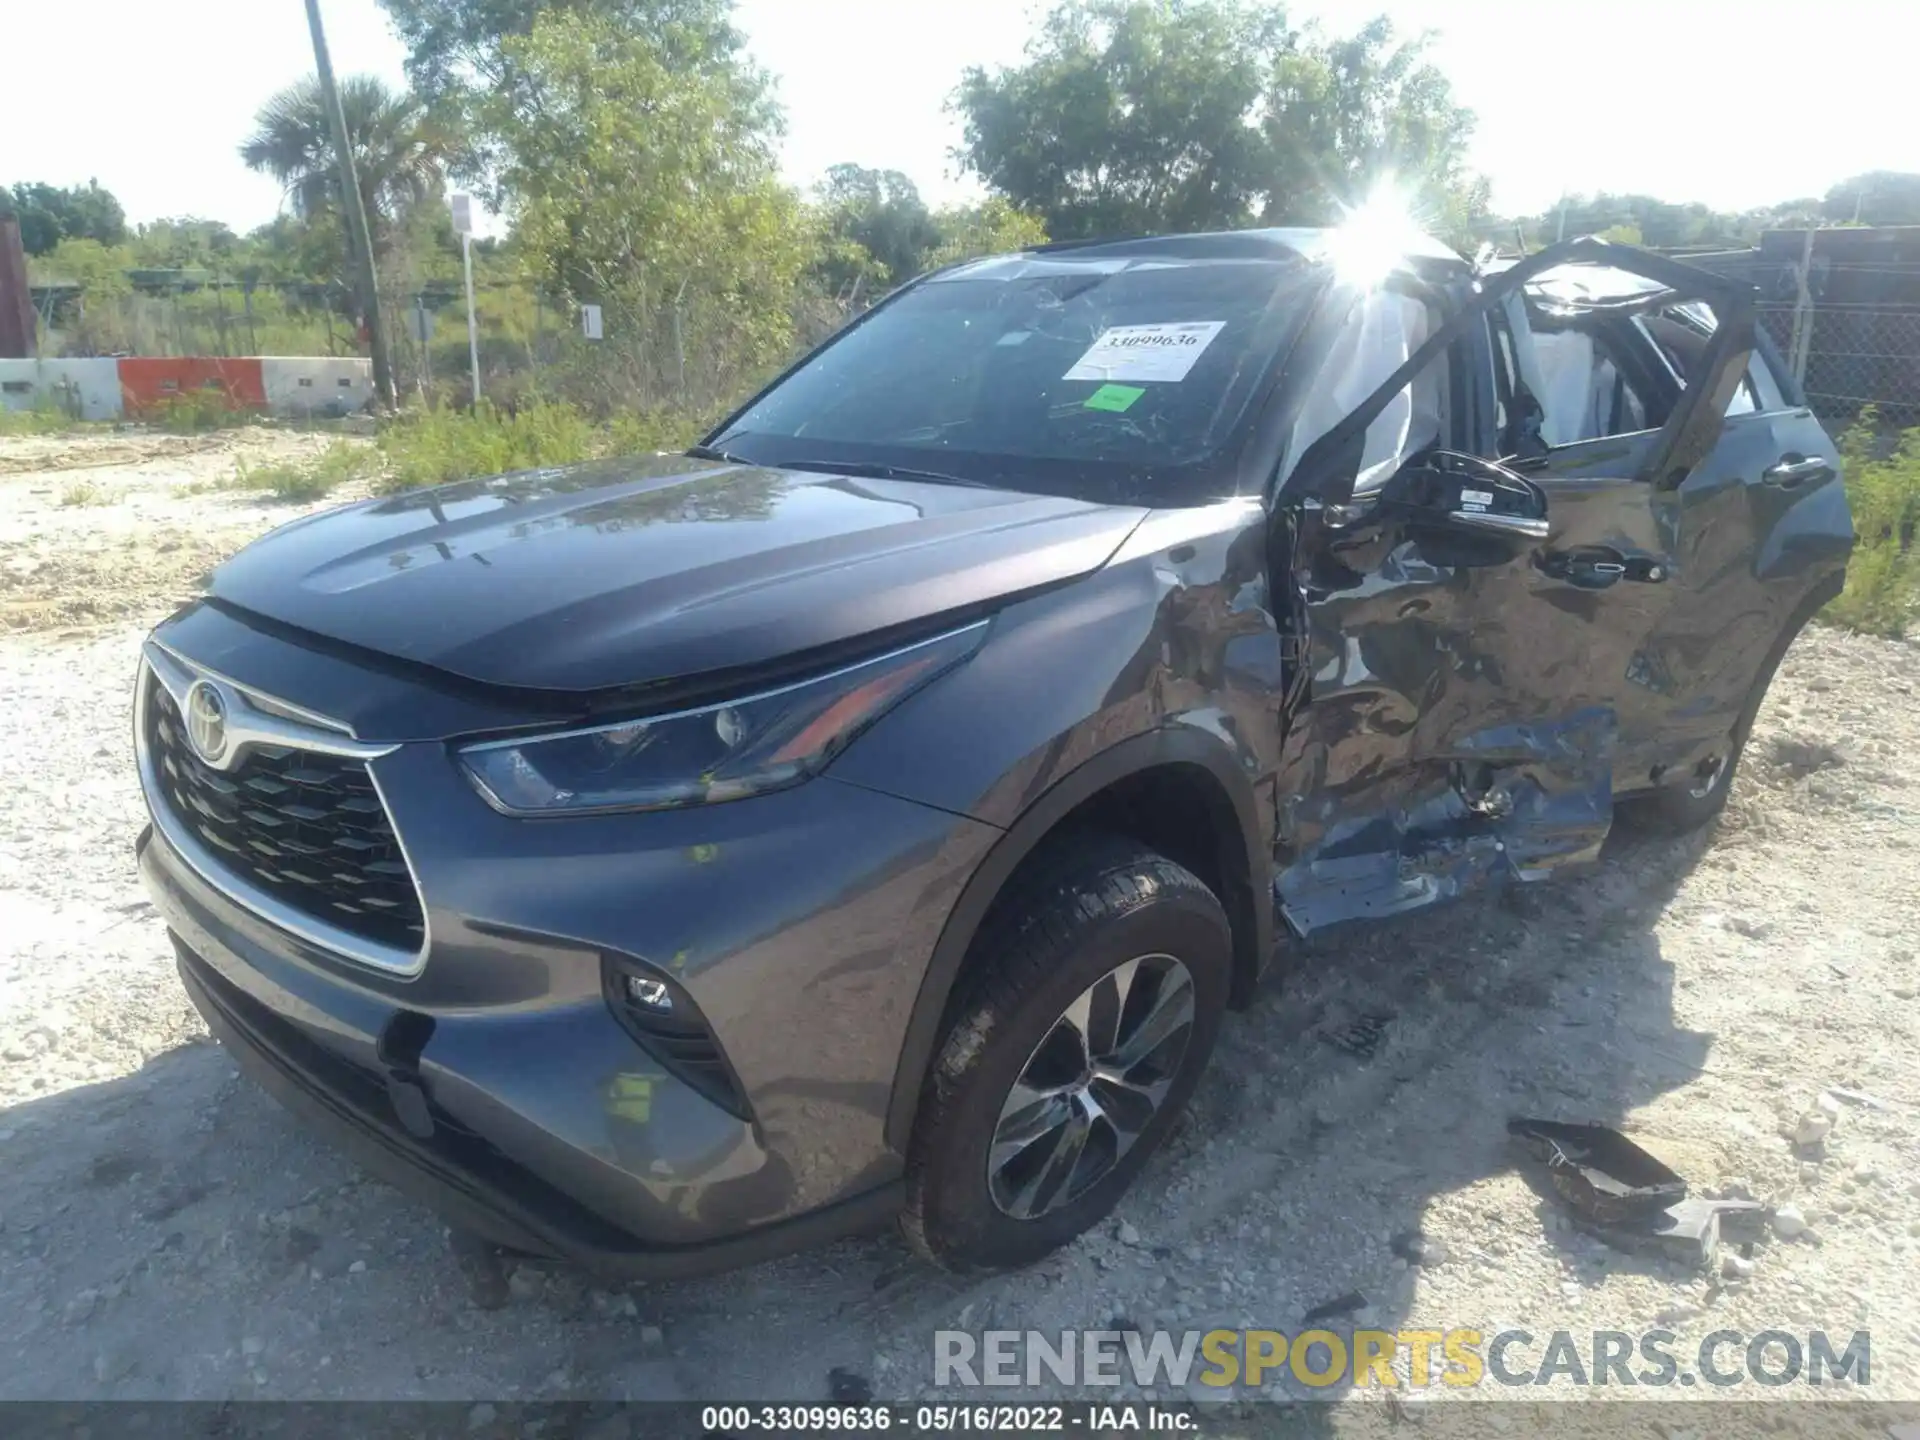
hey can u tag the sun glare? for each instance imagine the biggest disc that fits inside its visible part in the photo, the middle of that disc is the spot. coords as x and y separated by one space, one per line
1373 238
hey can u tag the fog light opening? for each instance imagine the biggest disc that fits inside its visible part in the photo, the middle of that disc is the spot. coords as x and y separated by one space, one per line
651 994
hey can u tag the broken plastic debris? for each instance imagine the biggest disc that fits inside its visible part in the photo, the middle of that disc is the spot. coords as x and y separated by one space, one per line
1600 1173
1631 1200
1348 1304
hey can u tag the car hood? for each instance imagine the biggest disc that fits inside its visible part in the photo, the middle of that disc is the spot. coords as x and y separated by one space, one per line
630 572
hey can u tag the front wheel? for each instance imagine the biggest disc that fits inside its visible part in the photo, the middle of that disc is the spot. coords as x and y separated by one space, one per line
1093 996
1682 808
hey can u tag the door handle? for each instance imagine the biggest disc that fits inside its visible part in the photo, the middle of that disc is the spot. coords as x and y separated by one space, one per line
1595 567
1793 471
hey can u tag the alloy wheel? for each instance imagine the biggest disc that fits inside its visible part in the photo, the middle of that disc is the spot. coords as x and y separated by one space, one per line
1091 1086
1706 775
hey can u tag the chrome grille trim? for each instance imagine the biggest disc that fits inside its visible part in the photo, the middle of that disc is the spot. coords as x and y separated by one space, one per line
263 720
259 719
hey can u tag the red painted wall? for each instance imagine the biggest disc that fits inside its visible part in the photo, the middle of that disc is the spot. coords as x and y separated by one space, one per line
149 381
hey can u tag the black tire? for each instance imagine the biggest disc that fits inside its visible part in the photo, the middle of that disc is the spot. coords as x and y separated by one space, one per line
1684 807
1077 912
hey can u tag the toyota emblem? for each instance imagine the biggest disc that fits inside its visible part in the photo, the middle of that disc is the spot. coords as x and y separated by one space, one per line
206 710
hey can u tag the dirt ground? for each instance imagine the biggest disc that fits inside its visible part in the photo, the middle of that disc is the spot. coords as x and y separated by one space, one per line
166 1231
120 524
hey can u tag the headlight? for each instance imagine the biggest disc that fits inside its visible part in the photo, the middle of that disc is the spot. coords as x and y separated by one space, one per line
720 752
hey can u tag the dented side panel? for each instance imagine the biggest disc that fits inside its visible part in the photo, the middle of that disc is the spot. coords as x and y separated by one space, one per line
1458 727
1516 804
1462 723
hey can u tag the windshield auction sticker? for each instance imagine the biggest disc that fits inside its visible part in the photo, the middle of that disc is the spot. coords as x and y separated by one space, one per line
1146 352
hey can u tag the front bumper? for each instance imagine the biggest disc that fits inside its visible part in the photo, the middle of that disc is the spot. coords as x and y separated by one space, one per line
462 1177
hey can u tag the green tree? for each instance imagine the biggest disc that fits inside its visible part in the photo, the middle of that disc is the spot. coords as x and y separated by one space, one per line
49 214
1132 116
650 189
1128 116
1345 115
460 54
1879 197
400 150
993 227
459 48
1646 220
186 242
878 229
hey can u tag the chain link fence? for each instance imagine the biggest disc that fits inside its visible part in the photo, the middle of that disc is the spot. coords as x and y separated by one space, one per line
1849 357
688 356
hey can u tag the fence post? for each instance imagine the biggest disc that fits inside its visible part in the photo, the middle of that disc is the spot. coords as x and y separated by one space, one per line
1802 313
679 346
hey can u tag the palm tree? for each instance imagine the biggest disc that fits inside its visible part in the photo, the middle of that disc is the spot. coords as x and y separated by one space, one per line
400 150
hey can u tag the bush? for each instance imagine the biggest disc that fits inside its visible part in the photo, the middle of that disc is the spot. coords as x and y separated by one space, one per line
308 479
1883 489
435 446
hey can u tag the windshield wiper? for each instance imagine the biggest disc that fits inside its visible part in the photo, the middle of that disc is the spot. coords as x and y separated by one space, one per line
709 452
874 470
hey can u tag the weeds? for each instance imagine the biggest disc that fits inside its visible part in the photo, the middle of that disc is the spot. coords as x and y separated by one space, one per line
1883 489
298 480
434 446
42 419
85 492
193 411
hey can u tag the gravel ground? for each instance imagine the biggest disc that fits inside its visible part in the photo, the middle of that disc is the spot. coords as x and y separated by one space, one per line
114 523
166 1231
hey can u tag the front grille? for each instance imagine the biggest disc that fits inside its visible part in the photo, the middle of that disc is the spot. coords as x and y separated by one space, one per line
306 828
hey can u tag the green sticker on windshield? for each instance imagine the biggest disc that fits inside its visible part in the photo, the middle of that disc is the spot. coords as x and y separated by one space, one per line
1114 397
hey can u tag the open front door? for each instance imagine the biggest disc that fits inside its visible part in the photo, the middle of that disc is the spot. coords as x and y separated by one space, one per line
1470 630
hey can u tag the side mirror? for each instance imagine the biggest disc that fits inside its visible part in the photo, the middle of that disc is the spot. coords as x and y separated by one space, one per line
1492 513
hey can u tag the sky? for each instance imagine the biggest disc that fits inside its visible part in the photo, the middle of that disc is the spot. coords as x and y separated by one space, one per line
1734 104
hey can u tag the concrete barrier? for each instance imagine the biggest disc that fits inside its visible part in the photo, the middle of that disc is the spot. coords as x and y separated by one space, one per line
147 381
316 385
108 389
89 389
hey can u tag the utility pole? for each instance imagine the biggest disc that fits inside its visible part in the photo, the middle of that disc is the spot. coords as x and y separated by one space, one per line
1802 338
358 232
18 340
462 206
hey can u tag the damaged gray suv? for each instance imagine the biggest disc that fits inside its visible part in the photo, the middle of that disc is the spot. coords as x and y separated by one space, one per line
874 812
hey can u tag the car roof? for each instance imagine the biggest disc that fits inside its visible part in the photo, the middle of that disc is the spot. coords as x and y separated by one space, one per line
1275 242
1585 285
